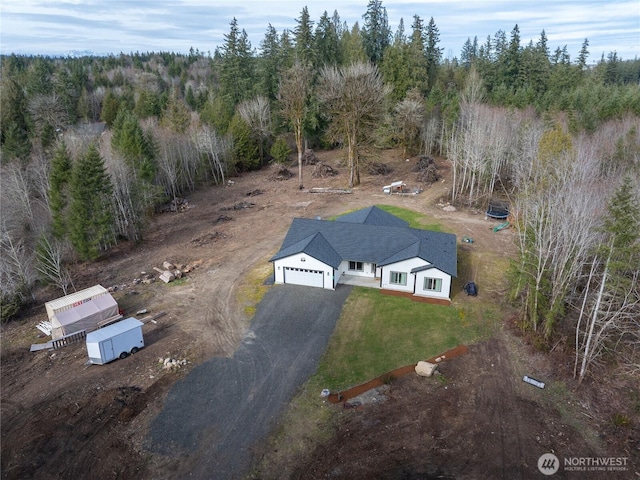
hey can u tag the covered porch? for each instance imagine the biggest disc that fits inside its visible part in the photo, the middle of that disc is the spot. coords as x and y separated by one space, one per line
359 281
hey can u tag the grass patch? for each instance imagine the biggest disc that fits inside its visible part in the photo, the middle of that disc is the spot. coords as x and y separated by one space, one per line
253 287
178 282
416 220
377 333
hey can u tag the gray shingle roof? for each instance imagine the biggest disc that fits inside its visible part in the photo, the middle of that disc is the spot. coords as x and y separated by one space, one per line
315 246
373 216
369 236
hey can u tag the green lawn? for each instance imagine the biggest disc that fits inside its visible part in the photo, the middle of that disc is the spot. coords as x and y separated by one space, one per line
415 219
377 333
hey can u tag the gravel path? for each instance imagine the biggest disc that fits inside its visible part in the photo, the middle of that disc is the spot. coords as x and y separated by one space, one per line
224 406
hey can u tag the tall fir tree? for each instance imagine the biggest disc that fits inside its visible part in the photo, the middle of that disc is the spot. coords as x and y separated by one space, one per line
134 144
416 59
237 77
433 52
303 38
59 179
376 34
326 42
268 66
90 211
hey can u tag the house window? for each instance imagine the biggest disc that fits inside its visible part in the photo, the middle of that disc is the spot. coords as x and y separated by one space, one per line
356 266
398 278
433 284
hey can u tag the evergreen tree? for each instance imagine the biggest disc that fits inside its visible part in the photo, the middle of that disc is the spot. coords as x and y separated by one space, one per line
433 53
395 67
59 178
14 129
326 42
351 46
469 53
136 146
245 147
237 77
110 107
622 225
303 38
582 56
176 117
69 94
268 67
513 59
416 59
376 34
90 211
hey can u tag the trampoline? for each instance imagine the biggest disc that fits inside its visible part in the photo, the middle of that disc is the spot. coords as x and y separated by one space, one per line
497 211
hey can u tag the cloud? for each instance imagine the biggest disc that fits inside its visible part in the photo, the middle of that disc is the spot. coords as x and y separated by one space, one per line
53 27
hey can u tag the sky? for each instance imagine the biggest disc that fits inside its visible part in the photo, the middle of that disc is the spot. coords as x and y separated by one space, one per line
59 27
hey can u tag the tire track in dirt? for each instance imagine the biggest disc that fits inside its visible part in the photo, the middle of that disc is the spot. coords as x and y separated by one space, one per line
498 399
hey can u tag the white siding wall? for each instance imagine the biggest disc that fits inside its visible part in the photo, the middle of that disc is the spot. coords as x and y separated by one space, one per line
433 273
405 266
309 263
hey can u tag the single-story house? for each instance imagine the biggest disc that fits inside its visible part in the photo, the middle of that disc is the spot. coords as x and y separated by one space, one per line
368 247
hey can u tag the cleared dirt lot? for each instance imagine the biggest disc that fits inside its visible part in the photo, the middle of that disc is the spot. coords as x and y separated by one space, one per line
64 419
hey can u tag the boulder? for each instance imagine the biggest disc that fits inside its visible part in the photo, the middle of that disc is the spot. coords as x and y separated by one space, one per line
425 369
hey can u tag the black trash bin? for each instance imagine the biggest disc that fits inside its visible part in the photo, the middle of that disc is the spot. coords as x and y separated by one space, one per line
471 289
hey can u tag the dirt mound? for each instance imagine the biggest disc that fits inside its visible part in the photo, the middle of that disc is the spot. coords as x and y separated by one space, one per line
279 173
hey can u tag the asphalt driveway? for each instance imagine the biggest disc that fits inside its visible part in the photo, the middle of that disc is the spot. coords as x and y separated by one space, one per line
213 416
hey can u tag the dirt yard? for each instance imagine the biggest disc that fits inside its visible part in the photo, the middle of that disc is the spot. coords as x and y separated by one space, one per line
62 418
475 419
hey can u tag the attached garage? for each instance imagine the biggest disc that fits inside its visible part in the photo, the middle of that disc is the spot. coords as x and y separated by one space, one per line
301 276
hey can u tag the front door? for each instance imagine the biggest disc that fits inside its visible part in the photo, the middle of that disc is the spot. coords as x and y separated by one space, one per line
107 351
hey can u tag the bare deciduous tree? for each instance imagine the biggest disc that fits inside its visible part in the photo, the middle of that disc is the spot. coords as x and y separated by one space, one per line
256 113
217 150
48 109
293 96
354 99
17 274
50 263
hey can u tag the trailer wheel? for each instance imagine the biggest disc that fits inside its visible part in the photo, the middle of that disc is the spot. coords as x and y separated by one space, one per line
134 350
124 355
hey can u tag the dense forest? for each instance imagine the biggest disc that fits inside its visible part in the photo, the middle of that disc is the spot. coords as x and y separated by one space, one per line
92 146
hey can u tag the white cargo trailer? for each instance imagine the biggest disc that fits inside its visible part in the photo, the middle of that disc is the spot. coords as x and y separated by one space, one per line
117 340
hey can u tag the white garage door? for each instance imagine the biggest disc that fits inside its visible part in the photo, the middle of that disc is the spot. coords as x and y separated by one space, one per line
300 276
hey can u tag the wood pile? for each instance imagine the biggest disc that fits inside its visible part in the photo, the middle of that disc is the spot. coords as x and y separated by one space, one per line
378 168
170 272
322 170
176 205
427 169
280 172
339 191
